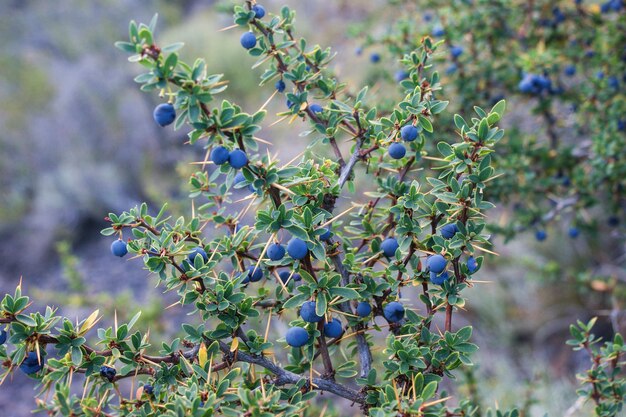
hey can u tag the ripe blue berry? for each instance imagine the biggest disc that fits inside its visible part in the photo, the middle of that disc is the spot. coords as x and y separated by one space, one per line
118 248
237 158
456 51
409 133
451 69
375 57
389 246
326 235
541 235
363 309
259 11
254 274
108 373
195 252
397 150
284 276
316 108
401 75
297 249
31 364
308 314
439 279
570 70
297 337
472 265
613 221
219 155
449 230
333 328
148 389
3 336
276 251
438 31
164 114
436 263
248 40
280 86
573 232
393 312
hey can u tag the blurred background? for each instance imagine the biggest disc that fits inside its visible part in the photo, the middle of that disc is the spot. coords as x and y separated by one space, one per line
77 141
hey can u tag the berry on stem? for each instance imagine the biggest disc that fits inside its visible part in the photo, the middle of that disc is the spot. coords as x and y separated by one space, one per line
333 328
248 40
237 158
219 155
389 246
308 314
119 248
164 114
393 312
436 263
409 133
276 251
297 249
363 309
195 252
297 337
397 150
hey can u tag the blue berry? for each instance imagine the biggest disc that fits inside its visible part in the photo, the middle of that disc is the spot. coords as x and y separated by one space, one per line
389 247
573 232
333 328
316 108
397 150
393 312
148 389
195 252
297 337
613 221
219 155
401 75
108 373
409 133
541 235
363 309
284 276
248 40
164 114
472 265
280 86
3 336
259 11
570 70
31 364
438 31
237 158
436 263
600 75
375 57
308 314
456 51
451 69
276 251
297 249
118 248
439 279
449 230
613 82
255 274
324 237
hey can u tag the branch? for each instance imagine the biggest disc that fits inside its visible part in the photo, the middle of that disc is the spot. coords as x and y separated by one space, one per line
284 377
